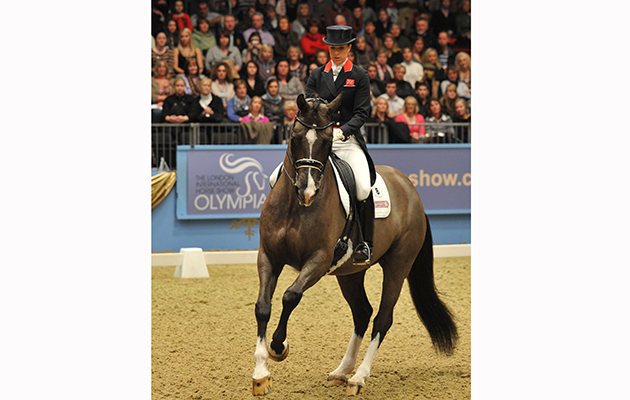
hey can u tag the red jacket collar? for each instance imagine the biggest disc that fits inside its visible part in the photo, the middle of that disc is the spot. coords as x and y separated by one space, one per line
347 67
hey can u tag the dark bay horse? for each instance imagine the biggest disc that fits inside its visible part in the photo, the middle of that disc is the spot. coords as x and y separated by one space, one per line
300 223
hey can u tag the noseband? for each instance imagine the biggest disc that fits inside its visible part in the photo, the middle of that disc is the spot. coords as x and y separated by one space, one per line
308 162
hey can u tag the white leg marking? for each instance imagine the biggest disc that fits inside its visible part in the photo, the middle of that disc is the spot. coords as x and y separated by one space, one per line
363 371
350 359
261 355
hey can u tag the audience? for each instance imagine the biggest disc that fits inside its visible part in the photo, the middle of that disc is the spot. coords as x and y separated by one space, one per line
238 106
184 51
255 111
411 115
178 106
222 85
274 45
440 133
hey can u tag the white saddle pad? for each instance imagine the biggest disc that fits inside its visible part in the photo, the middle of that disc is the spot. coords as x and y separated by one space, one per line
382 204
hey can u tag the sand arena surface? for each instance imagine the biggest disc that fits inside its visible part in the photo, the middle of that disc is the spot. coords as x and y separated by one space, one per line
204 337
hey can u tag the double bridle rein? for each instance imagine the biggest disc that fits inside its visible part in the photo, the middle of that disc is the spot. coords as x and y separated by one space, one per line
308 162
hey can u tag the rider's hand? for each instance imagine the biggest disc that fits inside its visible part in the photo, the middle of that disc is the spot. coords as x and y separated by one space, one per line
337 134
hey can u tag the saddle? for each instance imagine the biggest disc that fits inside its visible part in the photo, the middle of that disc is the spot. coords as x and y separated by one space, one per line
347 194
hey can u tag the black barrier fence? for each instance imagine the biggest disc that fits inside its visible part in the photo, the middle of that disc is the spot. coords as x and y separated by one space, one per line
166 137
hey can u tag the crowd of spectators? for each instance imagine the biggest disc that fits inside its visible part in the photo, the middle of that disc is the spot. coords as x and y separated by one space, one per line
247 60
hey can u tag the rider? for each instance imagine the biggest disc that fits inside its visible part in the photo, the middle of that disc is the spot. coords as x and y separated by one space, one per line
326 82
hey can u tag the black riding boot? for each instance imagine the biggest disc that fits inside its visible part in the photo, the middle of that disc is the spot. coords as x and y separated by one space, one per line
363 252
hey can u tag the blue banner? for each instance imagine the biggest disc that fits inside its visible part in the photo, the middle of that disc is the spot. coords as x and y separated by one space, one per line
233 181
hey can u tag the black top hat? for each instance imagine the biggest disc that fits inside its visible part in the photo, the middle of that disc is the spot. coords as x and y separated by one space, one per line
338 35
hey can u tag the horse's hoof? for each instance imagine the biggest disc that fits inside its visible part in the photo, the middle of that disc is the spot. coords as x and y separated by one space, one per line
336 380
262 386
278 357
354 389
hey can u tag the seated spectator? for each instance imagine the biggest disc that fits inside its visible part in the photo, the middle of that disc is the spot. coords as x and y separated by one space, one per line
462 114
440 133
383 24
178 106
289 86
161 88
312 41
208 108
463 62
413 69
236 37
422 30
431 57
394 55
162 52
418 50
443 20
319 7
356 22
273 103
290 111
238 106
376 85
373 41
257 26
462 25
172 34
222 85
255 85
423 97
380 111
367 12
446 54
411 115
312 67
203 12
224 51
183 19
395 103
255 111
192 78
296 67
385 72
185 51
266 63
300 24
203 38
403 88
452 76
448 100
254 46
400 40
362 53
338 8
321 57
284 38
270 23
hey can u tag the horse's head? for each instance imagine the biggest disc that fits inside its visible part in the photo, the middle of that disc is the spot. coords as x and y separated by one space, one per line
310 144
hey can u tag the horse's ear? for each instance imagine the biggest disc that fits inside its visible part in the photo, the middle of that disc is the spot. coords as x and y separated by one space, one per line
334 105
302 103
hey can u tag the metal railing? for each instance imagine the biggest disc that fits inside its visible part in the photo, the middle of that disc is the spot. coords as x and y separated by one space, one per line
166 137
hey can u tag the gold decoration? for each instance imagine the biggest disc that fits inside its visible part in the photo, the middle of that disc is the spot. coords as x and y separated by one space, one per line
161 186
236 224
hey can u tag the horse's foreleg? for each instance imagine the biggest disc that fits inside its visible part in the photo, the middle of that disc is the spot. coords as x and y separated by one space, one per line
310 274
354 292
392 285
262 382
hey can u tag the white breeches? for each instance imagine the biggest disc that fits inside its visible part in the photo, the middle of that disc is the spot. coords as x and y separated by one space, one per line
351 152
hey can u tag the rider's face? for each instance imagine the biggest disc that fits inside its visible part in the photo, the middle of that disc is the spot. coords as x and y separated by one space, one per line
338 54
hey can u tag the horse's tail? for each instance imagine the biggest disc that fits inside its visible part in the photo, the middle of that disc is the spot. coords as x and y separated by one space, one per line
435 316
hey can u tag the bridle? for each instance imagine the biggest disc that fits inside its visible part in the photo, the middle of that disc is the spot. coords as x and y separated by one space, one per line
308 162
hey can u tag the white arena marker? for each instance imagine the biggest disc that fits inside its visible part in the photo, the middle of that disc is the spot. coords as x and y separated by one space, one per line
193 264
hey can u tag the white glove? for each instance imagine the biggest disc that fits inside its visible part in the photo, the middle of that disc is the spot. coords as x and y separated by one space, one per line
337 134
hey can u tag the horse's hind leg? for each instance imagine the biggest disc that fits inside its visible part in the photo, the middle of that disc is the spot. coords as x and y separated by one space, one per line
268 277
354 292
393 279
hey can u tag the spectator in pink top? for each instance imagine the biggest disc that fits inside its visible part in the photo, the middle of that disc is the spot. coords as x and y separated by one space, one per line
255 111
411 115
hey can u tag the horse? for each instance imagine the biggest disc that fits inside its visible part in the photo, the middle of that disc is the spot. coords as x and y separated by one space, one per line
300 223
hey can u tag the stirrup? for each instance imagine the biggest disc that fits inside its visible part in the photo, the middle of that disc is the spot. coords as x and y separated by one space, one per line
363 254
